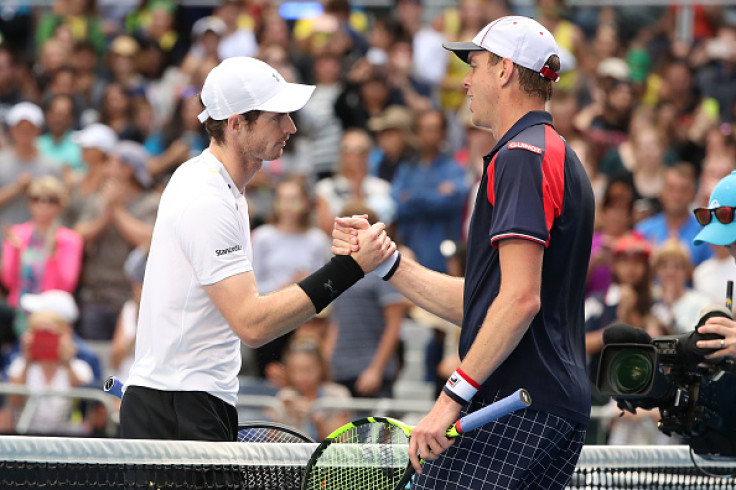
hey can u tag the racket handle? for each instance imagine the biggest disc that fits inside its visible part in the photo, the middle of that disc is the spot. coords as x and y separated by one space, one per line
113 386
515 401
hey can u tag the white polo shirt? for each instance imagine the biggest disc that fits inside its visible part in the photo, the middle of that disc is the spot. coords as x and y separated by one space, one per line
201 236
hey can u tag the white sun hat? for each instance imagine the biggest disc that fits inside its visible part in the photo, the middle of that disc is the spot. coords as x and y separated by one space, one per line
522 39
242 84
55 301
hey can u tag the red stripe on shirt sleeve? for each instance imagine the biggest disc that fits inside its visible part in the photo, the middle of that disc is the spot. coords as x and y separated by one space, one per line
553 176
490 172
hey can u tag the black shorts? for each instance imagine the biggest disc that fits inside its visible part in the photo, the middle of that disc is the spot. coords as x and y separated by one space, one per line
146 413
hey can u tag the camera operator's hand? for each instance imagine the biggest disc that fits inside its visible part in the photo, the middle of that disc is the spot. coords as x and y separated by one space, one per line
726 347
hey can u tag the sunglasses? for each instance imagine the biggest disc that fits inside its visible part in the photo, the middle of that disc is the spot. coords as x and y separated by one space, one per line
45 199
724 214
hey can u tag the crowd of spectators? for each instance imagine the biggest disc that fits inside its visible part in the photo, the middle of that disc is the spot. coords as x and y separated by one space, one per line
99 104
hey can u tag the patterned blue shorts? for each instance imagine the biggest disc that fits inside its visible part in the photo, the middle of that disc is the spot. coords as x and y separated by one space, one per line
524 450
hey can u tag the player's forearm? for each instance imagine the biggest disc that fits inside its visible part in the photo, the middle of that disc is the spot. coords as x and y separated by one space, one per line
435 292
393 314
507 321
270 316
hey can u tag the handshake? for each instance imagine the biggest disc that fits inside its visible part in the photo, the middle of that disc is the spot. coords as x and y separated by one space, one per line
369 245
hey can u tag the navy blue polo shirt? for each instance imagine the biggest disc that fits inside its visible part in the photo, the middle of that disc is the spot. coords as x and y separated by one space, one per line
535 188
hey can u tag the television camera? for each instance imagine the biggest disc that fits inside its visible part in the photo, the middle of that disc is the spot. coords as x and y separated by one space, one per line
696 397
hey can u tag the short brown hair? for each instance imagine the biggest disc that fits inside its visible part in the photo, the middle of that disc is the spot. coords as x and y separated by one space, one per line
216 129
531 81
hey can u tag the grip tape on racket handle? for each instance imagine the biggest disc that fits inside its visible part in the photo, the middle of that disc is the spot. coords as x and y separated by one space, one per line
515 401
113 386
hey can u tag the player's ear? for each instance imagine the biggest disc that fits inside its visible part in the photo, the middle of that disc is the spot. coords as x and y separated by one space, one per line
235 122
507 70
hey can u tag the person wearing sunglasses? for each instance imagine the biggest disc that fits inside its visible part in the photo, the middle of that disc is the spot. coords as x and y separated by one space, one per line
40 254
719 229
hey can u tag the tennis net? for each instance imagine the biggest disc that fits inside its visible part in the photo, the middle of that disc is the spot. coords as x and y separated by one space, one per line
50 462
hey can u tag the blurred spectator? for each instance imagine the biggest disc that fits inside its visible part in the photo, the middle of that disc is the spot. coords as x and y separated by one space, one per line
715 167
367 93
606 120
628 298
77 17
117 112
622 159
460 24
155 21
416 92
10 89
113 221
47 361
395 141
318 121
429 60
57 144
238 38
41 255
121 62
123 339
308 379
206 35
96 142
21 162
89 86
353 182
676 304
676 220
478 143
286 250
586 153
180 139
569 38
718 77
614 219
711 276
273 31
649 171
364 336
430 193
564 106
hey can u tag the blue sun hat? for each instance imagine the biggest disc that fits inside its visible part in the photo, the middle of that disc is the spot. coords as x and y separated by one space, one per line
715 232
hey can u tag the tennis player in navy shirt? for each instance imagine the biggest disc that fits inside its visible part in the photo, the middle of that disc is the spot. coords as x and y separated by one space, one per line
520 305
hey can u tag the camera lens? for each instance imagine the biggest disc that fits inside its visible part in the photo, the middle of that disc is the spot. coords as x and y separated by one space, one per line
630 371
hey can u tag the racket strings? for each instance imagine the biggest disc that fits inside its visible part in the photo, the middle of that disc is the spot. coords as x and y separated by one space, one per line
270 434
370 456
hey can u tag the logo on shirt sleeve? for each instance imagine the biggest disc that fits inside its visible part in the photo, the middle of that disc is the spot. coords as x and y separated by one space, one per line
225 251
524 146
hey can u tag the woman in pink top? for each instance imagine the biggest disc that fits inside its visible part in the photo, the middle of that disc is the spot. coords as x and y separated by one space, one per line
41 255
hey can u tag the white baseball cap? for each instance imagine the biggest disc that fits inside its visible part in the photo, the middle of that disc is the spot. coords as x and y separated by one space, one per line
241 84
136 157
25 111
522 39
55 301
98 136
209 23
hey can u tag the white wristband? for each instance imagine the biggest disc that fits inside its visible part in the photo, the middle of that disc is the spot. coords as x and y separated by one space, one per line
461 385
386 266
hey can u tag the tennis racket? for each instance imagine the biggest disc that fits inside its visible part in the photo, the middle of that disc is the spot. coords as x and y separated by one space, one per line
270 432
373 453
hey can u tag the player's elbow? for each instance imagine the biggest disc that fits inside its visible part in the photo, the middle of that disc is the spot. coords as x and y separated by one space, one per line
528 304
253 334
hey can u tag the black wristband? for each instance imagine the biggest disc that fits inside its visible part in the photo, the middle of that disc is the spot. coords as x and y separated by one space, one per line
330 281
393 268
447 391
